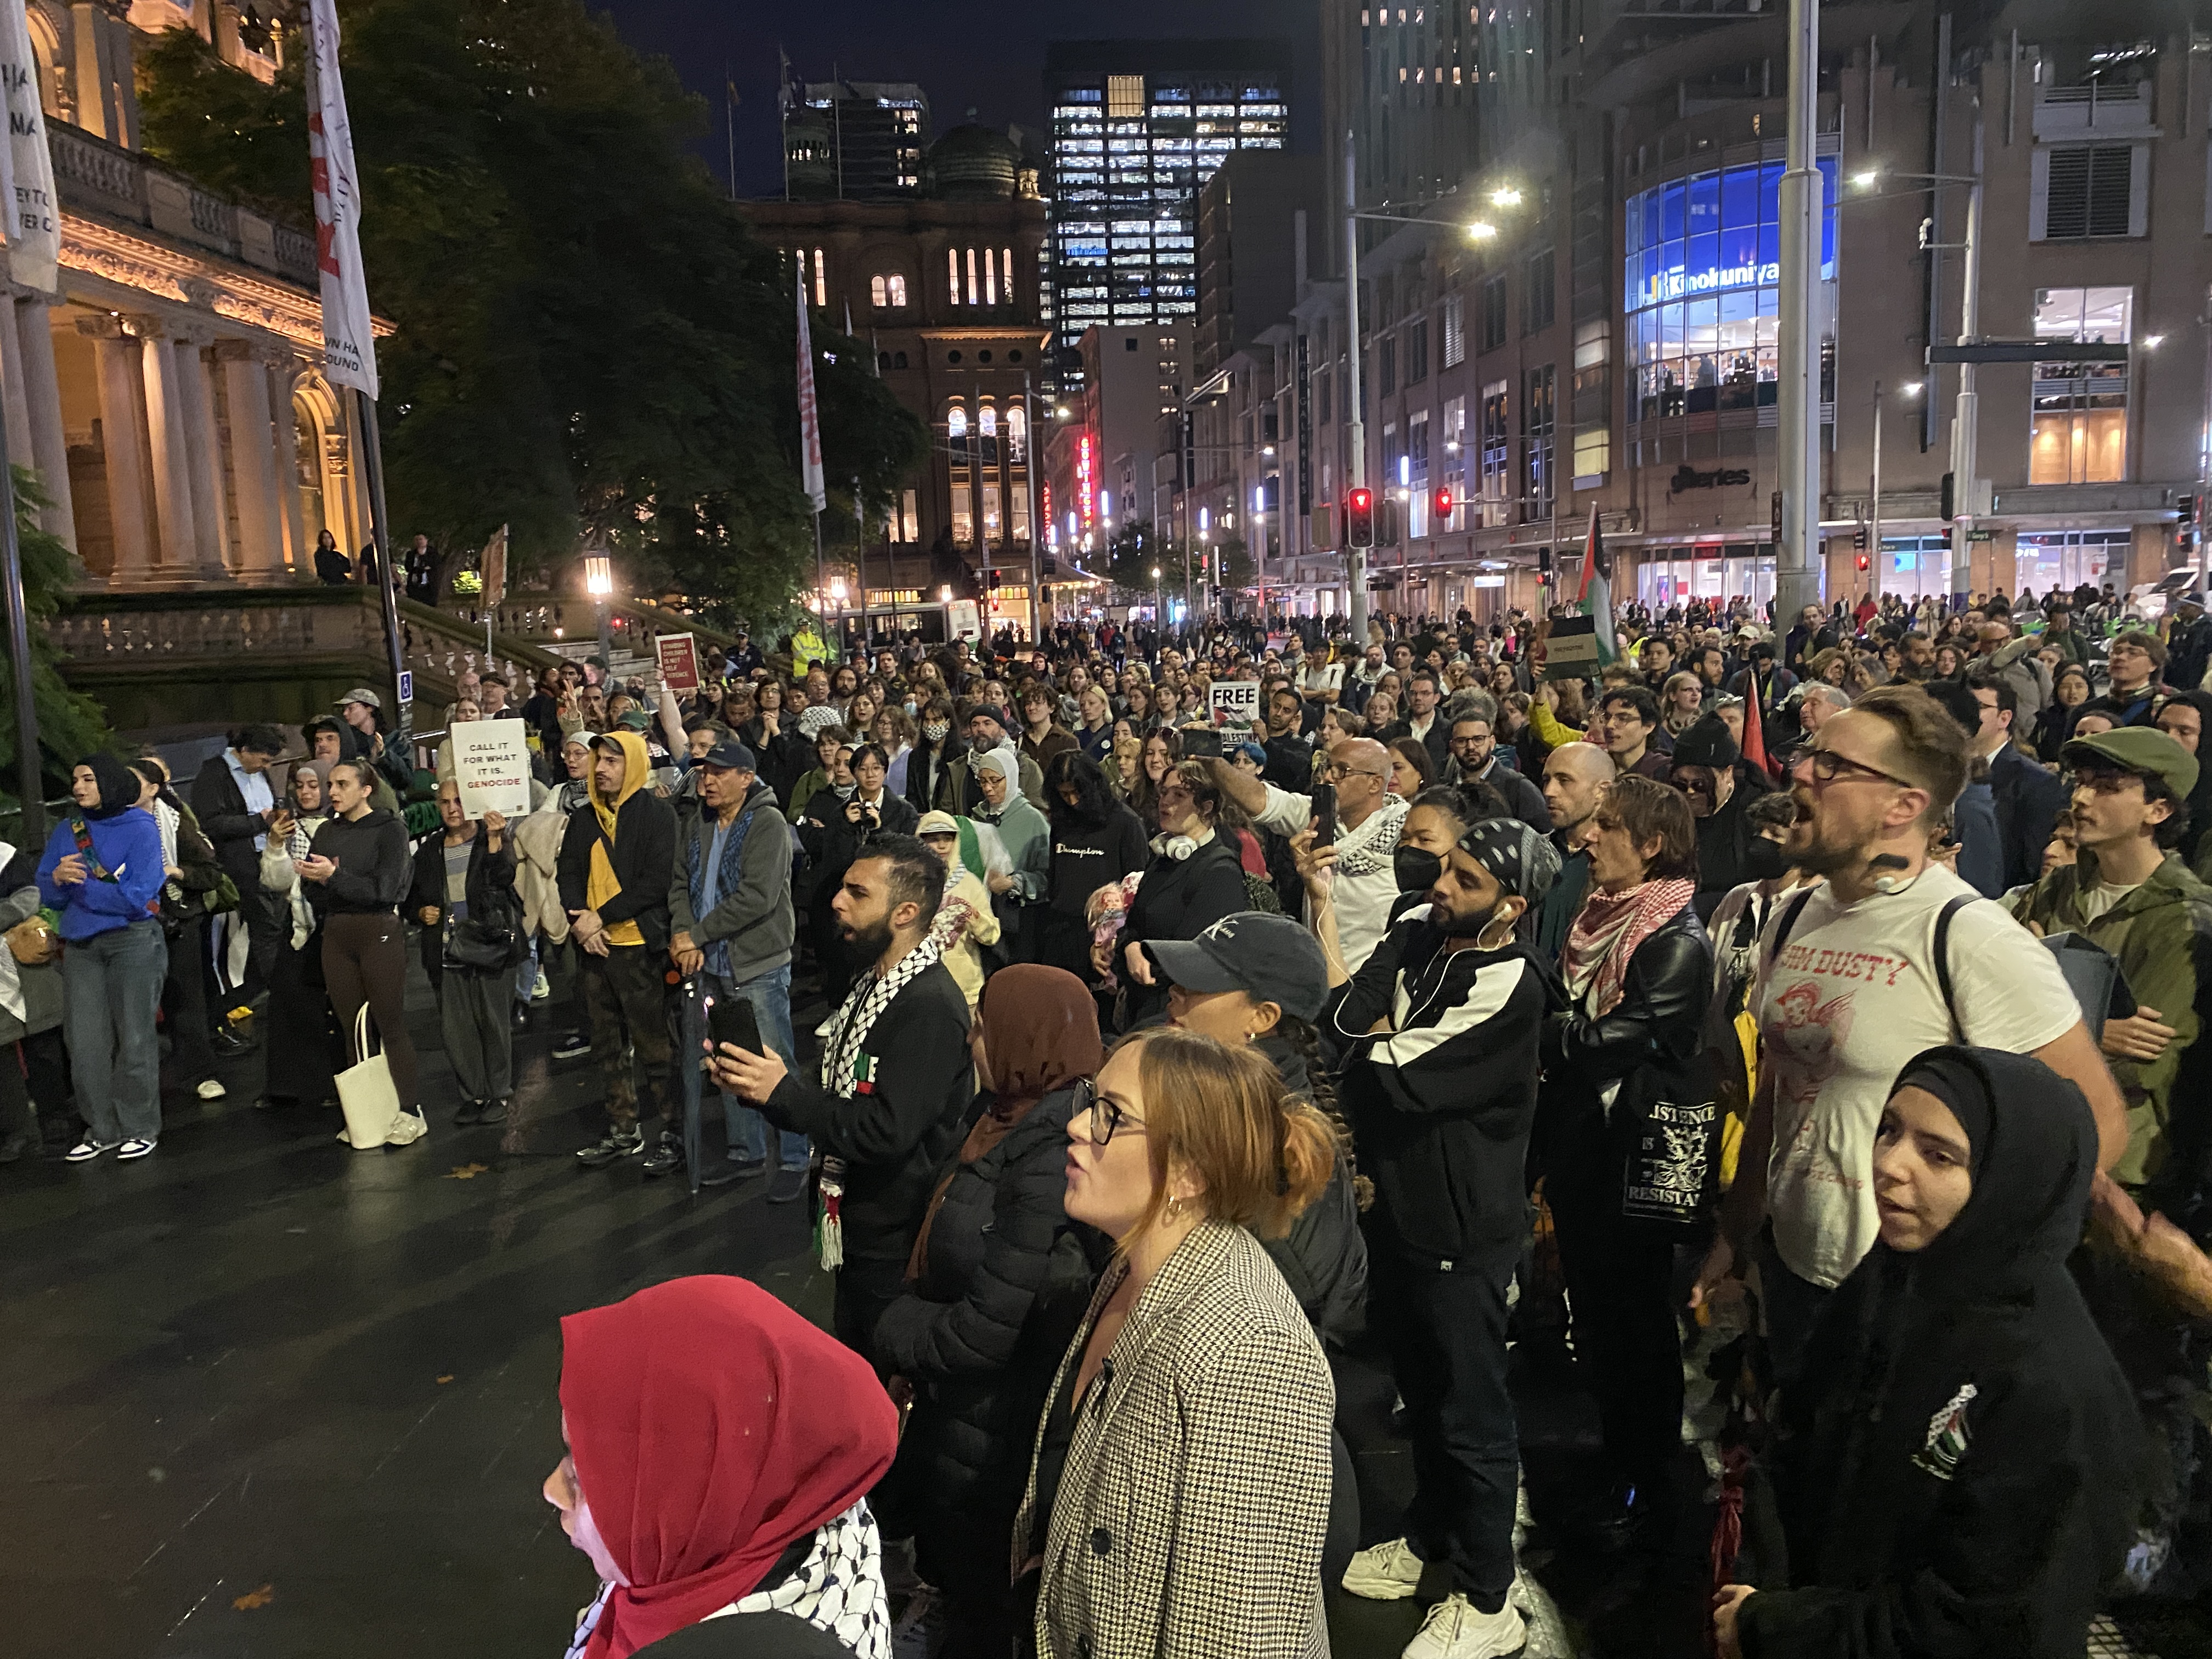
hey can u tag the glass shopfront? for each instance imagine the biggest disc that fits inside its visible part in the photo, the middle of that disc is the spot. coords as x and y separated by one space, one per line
1703 291
1721 571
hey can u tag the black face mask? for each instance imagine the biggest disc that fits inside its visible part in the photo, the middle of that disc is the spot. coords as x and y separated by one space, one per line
1417 870
1765 859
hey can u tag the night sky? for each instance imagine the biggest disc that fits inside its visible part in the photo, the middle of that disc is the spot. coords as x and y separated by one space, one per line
965 55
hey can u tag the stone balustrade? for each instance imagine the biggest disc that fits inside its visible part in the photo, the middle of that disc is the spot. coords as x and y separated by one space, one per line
91 174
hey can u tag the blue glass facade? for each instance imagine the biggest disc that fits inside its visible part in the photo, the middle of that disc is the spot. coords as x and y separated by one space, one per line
1702 288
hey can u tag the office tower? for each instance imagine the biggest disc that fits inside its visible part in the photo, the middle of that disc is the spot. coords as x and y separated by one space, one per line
1138 128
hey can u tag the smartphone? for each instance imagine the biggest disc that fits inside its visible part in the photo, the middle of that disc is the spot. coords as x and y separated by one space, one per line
1324 815
1199 741
731 1019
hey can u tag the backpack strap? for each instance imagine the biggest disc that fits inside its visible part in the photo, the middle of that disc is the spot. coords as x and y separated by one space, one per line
1788 921
1951 908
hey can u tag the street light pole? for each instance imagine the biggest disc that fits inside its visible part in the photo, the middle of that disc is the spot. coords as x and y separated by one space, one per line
1966 418
1155 601
1797 584
1355 428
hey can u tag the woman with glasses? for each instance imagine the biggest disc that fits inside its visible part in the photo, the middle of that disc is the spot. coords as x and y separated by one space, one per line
997 1283
1192 879
1179 1486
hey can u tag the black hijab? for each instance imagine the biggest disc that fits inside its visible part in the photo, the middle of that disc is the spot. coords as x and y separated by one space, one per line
118 787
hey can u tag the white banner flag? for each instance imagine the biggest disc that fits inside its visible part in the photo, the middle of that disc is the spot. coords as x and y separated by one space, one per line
348 342
27 169
810 417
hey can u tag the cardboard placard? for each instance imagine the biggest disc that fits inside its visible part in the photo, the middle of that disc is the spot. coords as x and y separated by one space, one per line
678 656
1571 649
492 764
1234 702
962 621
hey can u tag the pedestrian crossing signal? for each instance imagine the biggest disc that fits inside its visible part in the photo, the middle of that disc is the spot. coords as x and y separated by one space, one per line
1360 518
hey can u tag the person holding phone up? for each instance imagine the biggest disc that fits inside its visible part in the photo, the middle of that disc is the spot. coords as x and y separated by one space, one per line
839 820
1355 850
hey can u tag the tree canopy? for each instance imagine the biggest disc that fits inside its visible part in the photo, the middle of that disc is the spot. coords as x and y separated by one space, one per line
591 342
70 724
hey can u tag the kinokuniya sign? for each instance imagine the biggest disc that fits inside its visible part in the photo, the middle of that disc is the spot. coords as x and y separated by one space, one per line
1677 283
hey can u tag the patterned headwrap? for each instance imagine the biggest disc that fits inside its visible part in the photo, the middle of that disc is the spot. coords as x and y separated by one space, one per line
1524 861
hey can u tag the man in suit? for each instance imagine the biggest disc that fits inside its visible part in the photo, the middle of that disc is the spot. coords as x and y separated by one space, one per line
2028 798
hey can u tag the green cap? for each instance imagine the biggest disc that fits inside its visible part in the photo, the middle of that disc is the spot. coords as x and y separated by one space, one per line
2140 749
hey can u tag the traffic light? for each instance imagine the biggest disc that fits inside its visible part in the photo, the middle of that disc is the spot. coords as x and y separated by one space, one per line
1775 510
1864 562
1360 518
1859 542
1950 505
993 578
1389 520
1441 506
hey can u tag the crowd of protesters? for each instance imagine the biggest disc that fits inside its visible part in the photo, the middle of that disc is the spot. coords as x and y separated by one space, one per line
1811 1003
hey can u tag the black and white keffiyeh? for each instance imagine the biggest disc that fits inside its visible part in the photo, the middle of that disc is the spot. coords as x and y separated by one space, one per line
848 1070
1364 851
838 1590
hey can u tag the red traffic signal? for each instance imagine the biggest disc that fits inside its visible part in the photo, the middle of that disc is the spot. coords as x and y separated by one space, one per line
1442 506
1360 518
1864 561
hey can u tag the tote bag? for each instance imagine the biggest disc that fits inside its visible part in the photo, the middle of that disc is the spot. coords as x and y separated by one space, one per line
373 1112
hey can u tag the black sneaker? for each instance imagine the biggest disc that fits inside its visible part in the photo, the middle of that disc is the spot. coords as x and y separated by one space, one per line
667 1157
572 1045
469 1112
521 1016
731 1169
788 1186
618 1143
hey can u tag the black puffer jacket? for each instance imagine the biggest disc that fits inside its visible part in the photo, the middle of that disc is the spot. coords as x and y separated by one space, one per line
1178 899
1323 1257
980 1332
1656 1025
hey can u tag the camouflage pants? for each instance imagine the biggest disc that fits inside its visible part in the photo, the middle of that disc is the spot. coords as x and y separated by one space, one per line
626 1000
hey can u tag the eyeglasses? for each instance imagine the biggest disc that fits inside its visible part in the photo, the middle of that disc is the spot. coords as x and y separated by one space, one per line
2100 781
1338 769
1827 766
1105 1117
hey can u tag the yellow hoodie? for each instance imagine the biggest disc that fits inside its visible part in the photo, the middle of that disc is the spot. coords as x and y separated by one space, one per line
601 885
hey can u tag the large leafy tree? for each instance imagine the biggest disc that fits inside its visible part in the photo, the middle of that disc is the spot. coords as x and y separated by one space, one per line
590 344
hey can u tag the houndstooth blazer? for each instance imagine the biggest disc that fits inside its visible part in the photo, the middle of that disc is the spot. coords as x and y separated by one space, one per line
1189 1518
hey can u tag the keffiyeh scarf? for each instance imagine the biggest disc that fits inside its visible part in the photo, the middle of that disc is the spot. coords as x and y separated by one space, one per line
1607 933
1364 851
848 1070
838 1590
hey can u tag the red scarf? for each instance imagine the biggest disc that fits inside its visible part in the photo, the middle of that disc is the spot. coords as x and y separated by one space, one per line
711 1426
1607 932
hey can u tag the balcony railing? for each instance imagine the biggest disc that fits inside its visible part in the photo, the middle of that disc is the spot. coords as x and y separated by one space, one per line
96 176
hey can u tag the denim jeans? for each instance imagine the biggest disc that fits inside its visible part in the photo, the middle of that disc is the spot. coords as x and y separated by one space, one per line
112 989
770 996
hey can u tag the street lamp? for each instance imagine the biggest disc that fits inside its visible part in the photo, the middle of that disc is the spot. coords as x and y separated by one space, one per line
1156 598
1482 230
599 583
1505 195
837 598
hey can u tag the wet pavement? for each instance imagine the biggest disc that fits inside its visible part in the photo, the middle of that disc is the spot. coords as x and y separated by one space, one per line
273 1397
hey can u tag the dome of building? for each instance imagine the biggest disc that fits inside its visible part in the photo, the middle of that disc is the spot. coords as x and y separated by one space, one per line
971 163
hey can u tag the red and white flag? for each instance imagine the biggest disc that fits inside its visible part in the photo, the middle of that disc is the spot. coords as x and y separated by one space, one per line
349 341
810 414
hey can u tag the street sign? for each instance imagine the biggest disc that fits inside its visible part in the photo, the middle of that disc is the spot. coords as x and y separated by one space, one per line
406 687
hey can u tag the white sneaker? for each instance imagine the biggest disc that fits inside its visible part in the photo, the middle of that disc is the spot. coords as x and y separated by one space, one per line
1454 1629
137 1147
406 1129
210 1089
1388 1572
543 990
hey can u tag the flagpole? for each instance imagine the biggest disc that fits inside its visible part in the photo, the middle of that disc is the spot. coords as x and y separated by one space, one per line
379 536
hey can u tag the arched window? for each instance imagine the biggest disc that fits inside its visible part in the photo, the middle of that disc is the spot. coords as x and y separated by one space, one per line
990 276
897 284
952 271
879 292
988 420
1018 434
955 424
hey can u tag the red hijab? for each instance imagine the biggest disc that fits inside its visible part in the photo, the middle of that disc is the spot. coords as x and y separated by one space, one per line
711 1426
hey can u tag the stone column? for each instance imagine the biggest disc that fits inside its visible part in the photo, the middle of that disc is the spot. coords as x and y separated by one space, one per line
300 550
90 63
17 389
117 357
178 533
203 451
49 437
252 461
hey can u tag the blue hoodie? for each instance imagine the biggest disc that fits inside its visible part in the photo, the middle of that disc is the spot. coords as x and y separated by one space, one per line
129 847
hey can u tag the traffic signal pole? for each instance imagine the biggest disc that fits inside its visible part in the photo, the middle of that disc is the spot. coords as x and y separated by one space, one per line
1355 428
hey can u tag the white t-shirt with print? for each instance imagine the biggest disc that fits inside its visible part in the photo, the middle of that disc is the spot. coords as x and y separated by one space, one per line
1853 996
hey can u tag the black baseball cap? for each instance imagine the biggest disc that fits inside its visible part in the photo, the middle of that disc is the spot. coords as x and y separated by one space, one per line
1269 958
731 756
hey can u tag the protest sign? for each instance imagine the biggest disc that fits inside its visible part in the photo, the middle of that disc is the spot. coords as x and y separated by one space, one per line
1571 649
492 764
1234 702
678 656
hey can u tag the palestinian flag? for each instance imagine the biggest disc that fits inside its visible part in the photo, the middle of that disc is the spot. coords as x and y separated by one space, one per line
1595 597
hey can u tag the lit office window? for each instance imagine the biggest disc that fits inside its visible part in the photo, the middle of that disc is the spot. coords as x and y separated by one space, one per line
2080 410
